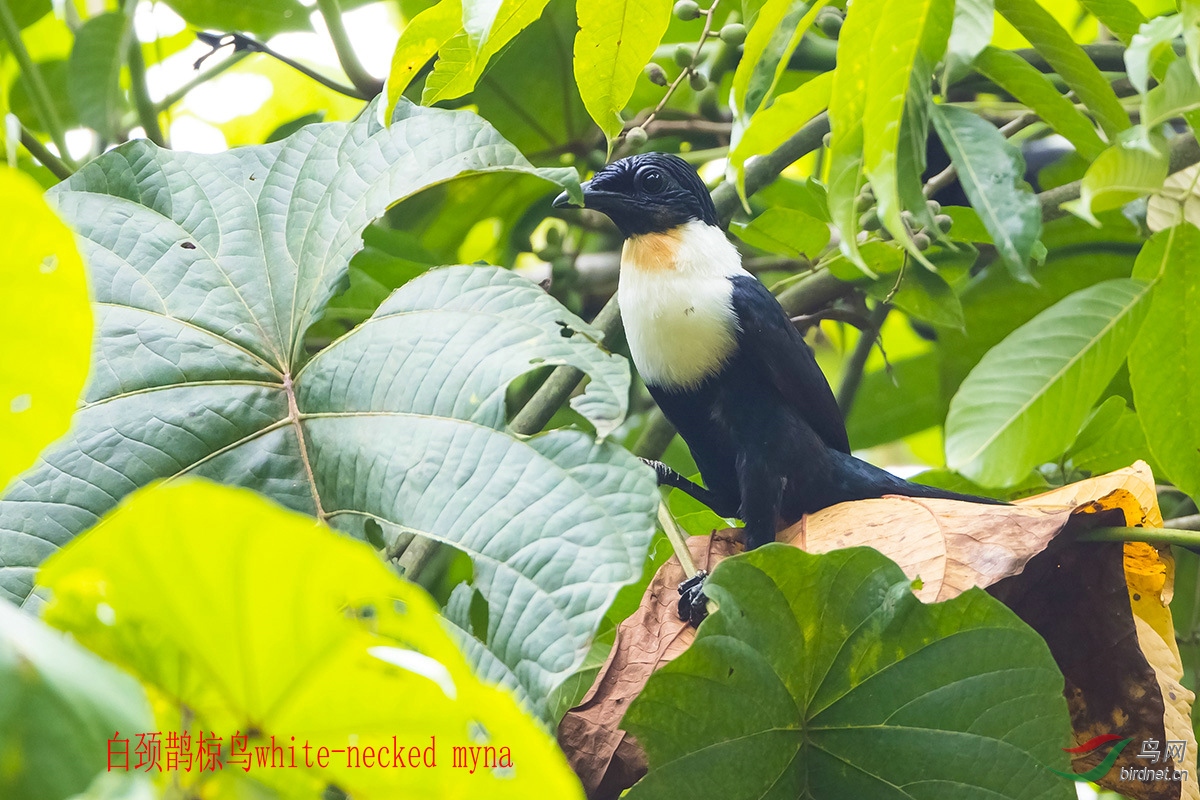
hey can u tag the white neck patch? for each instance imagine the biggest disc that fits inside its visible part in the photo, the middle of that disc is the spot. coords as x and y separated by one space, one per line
676 303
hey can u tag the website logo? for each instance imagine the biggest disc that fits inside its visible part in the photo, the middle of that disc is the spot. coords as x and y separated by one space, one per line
1174 751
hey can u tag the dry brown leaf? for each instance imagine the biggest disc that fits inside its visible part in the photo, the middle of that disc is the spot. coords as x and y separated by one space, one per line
1103 609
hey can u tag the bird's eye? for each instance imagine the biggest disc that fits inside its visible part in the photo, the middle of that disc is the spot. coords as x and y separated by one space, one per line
653 181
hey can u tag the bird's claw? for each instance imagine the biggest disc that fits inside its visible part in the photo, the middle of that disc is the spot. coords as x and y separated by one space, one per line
693 603
661 471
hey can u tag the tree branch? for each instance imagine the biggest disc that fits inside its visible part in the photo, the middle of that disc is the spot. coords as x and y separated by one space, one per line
147 113
364 81
50 161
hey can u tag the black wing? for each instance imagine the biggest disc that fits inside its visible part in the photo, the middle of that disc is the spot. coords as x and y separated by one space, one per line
770 340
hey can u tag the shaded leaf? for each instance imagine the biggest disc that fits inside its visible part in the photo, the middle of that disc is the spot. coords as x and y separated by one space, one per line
823 718
94 72
785 231
59 705
771 127
770 42
45 323
991 171
1024 82
202 321
1025 400
894 403
324 643
969 35
1121 17
614 42
1167 397
263 17
1068 59
923 295
27 12
1122 173
1177 95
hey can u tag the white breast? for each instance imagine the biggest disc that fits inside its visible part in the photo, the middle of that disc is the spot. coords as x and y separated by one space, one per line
676 303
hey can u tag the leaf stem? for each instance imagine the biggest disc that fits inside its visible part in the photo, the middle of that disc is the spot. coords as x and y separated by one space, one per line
50 161
677 539
363 81
1177 536
38 93
950 174
147 113
177 95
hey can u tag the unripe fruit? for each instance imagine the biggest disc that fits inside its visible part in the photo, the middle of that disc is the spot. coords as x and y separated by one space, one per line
863 202
553 237
697 81
943 222
733 34
935 207
922 241
829 21
869 221
687 9
656 74
908 218
684 54
636 137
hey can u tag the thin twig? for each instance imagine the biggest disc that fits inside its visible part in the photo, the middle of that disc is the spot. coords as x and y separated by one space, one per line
805 321
147 113
39 151
241 42
363 81
688 70
950 174
39 95
858 359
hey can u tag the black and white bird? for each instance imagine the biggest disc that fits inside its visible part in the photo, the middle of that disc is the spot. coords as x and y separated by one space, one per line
723 360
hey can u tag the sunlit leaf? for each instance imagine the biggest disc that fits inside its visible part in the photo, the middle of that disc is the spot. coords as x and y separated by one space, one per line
94 72
772 39
1145 48
1121 17
422 37
1020 79
1122 173
1168 400
784 231
868 703
614 42
1068 59
969 35
1176 95
257 619
991 171
262 17
45 324
1025 400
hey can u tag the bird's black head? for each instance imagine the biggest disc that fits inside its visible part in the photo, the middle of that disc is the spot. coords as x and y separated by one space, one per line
648 193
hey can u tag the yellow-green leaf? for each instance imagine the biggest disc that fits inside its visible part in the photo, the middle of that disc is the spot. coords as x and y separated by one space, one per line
262 621
45 324
785 231
615 41
769 44
1121 17
1123 172
772 126
422 38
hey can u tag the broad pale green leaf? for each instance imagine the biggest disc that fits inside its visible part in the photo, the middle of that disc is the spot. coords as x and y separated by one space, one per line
27 12
823 677
615 41
257 619
1123 172
421 39
909 39
1177 95
1068 59
771 127
488 26
1147 46
45 324
969 34
262 17
991 171
1117 446
921 294
1121 17
209 270
59 705
94 72
772 39
785 231
1020 79
847 103
1165 357
1176 201
1025 400
1189 12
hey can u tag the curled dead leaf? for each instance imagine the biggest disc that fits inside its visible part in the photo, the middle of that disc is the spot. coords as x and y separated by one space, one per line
1103 608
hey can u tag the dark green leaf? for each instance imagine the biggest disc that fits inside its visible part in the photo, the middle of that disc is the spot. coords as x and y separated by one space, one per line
894 403
94 72
824 677
54 73
991 171
1120 16
262 17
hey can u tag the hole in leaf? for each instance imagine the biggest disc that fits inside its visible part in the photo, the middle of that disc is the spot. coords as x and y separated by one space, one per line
374 533
478 616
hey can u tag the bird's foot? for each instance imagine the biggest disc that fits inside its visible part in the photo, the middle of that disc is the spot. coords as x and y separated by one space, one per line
662 472
693 603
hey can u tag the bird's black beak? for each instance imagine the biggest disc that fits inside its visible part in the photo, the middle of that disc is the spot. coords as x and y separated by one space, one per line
563 200
597 199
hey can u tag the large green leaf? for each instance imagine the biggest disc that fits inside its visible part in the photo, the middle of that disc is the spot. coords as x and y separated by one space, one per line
614 42
423 36
45 324
242 616
1022 80
910 38
969 35
1121 17
1026 399
1069 60
785 231
94 72
1164 363
209 269
263 17
59 706
1123 172
772 39
1151 43
991 171
824 677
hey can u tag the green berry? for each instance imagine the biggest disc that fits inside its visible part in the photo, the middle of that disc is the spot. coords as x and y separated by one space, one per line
935 207
869 221
636 137
827 140
922 241
829 22
863 202
885 234
684 54
909 219
733 34
687 9
656 74
697 81
943 222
